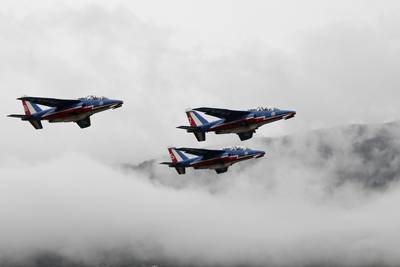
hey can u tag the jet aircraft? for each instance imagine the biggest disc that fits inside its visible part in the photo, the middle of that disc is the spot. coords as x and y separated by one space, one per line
240 122
218 160
64 110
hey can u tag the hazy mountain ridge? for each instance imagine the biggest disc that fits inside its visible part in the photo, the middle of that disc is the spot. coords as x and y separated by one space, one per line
374 151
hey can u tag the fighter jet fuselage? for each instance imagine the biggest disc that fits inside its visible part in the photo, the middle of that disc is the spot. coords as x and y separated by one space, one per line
242 123
64 110
218 160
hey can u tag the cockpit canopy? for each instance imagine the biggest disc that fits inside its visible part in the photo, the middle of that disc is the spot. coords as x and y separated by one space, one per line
263 109
93 97
236 148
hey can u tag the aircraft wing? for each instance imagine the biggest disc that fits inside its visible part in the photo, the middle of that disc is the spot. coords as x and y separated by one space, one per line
206 153
51 102
227 114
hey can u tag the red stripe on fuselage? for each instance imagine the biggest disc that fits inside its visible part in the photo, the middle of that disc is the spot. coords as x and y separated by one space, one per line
67 112
223 160
248 121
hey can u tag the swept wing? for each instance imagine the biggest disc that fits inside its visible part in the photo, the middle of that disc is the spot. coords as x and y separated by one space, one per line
227 114
205 153
51 102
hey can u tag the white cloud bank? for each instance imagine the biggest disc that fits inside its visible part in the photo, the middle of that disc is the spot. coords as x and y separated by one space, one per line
279 214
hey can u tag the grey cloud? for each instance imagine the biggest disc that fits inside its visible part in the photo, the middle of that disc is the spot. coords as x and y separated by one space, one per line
301 205
363 154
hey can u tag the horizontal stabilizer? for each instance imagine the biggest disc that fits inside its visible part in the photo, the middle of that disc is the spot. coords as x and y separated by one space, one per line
189 129
173 164
20 116
37 124
170 164
177 165
200 135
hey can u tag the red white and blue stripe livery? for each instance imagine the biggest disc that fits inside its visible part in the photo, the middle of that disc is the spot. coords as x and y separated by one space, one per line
242 123
64 110
218 160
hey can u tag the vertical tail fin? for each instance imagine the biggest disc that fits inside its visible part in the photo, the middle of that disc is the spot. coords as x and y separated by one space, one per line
30 108
176 155
195 119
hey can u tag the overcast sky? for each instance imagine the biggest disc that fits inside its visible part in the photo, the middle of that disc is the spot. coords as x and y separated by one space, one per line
334 62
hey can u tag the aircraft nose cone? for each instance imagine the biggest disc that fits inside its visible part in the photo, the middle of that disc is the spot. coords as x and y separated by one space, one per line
117 104
259 154
289 114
